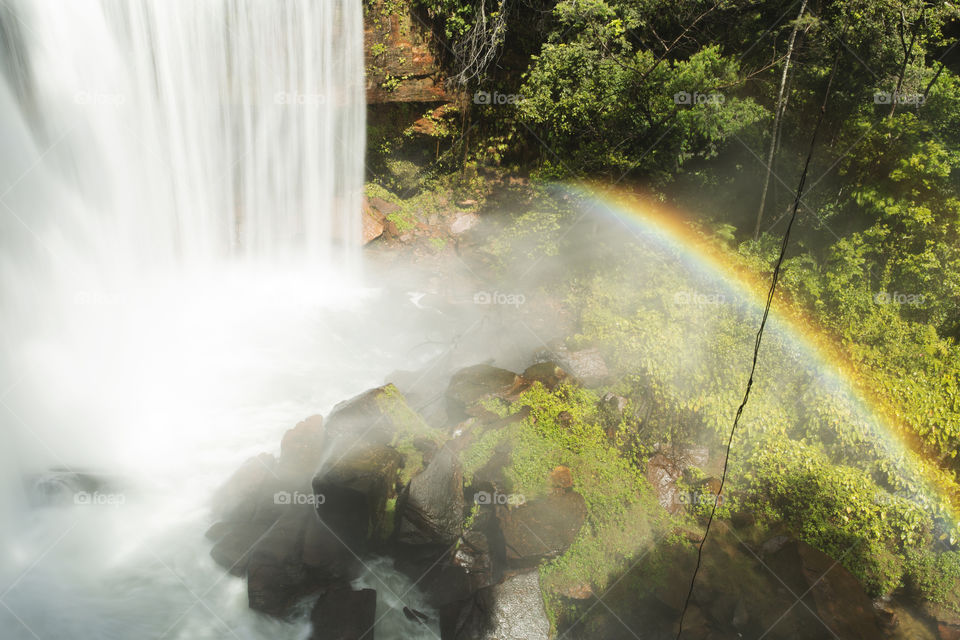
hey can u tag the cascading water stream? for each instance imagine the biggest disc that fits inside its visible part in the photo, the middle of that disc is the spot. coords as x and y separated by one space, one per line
180 191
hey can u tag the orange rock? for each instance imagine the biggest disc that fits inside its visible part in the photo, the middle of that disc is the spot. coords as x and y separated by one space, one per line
561 477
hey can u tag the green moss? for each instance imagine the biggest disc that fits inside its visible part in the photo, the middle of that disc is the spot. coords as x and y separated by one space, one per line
409 428
562 428
402 220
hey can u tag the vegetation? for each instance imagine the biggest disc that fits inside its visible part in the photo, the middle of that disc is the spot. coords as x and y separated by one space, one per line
681 101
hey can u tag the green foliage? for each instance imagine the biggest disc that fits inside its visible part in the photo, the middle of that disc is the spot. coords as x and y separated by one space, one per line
936 577
562 428
836 509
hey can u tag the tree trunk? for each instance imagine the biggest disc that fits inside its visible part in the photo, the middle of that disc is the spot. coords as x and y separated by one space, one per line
777 115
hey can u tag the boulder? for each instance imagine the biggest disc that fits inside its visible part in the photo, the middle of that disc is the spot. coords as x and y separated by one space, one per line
430 509
344 614
301 448
473 384
662 474
586 365
463 221
541 528
830 591
372 418
352 493
549 374
511 610
371 225
277 577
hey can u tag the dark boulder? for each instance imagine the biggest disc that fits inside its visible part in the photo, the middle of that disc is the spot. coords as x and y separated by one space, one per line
352 494
469 386
344 614
372 418
541 528
549 374
301 449
430 509
828 589
510 610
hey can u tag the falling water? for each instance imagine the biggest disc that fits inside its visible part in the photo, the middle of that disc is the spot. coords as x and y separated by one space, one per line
180 187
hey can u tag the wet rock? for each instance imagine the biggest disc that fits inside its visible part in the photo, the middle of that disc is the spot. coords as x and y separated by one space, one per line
301 448
463 222
541 528
549 374
353 491
471 385
475 557
946 621
518 612
65 487
344 614
511 610
662 474
372 225
370 419
837 598
586 365
430 509
277 577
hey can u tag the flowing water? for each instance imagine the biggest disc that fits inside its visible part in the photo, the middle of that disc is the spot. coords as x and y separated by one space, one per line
180 188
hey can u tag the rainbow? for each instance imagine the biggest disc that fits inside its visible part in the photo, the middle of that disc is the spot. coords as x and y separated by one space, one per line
936 490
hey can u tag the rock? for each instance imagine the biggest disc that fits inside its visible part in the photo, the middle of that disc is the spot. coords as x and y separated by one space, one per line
63 487
372 418
560 478
578 591
475 557
353 491
518 612
837 598
371 227
344 614
511 610
586 365
471 385
400 47
277 577
463 221
541 528
662 474
382 208
430 509
549 374
301 448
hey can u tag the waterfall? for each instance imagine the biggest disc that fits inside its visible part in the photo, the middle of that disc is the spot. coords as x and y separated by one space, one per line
180 193
186 131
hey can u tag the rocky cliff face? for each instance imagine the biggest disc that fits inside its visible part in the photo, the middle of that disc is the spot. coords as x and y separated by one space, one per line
401 60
